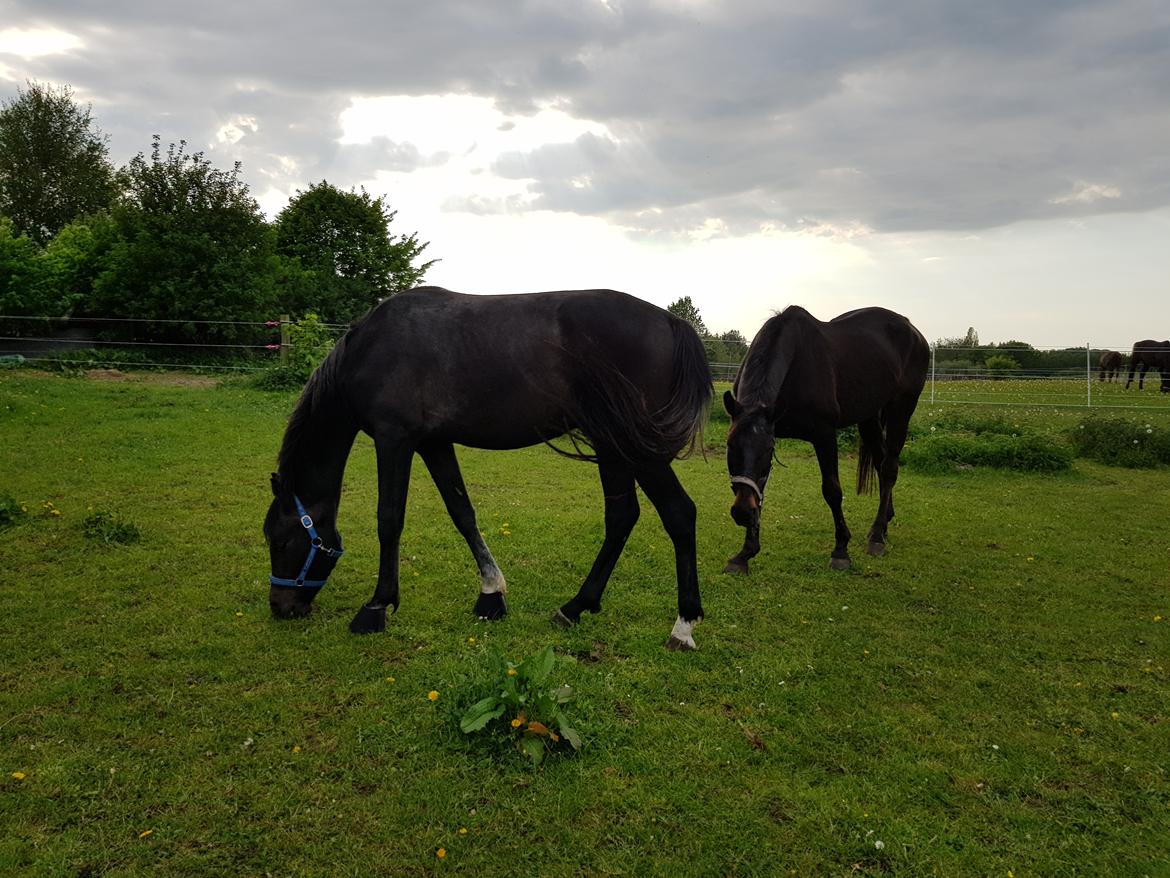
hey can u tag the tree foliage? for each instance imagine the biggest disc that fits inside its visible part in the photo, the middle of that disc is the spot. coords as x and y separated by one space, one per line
685 309
18 255
53 161
191 244
342 242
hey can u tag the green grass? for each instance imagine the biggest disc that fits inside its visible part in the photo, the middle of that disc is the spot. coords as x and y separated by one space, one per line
990 696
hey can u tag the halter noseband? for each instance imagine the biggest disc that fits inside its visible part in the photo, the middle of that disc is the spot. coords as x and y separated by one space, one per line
751 483
316 544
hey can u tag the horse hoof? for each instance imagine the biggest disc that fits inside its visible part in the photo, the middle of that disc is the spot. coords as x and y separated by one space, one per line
838 563
561 620
876 549
737 567
674 644
491 607
369 620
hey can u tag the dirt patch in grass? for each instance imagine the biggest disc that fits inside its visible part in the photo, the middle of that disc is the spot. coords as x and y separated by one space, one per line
167 379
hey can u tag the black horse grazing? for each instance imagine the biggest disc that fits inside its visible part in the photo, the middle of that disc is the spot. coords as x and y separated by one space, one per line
805 379
429 368
1150 354
1110 365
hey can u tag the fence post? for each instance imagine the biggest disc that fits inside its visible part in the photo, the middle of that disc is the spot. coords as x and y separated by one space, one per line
932 348
284 339
1088 375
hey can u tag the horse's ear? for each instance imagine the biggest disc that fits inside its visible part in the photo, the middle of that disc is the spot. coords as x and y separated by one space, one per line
729 403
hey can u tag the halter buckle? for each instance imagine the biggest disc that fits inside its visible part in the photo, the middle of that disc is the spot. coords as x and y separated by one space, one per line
306 521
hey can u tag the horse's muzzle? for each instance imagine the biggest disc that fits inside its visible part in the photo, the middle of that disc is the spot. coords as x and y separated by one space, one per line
291 603
745 511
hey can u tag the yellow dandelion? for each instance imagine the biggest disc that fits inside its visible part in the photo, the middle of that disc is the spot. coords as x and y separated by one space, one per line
1157 618
55 511
19 775
239 614
1030 558
145 833
511 672
441 852
297 748
389 679
433 695
1115 715
516 723
463 830
471 640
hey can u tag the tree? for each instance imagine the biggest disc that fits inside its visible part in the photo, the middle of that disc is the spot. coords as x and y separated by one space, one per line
343 241
18 257
191 244
53 161
735 345
685 309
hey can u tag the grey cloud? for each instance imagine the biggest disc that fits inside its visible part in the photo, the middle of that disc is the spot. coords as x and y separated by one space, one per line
900 116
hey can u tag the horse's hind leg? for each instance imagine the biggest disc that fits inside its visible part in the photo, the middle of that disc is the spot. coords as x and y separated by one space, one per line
621 514
394 461
677 512
826 449
897 418
874 443
444 468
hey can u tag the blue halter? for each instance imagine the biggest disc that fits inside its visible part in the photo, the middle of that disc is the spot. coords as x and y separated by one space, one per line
316 545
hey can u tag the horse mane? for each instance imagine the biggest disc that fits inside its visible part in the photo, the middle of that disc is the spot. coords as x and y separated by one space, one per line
320 394
764 368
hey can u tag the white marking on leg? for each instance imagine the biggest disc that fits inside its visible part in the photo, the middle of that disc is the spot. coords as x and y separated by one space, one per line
492 581
683 630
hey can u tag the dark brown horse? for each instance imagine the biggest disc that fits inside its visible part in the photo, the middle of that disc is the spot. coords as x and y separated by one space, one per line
1110 365
1150 354
430 368
805 379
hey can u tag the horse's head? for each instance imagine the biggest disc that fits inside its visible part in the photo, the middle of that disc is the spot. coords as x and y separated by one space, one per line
303 552
750 442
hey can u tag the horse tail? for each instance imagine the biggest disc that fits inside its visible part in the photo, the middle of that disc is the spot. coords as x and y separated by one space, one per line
685 416
609 412
866 476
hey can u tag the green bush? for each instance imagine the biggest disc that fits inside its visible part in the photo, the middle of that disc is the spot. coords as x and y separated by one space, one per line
1027 452
999 365
309 343
1129 443
107 528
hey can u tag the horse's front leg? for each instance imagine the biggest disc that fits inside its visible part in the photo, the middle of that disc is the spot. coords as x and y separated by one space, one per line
677 512
621 514
394 461
826 449
751 546
444 468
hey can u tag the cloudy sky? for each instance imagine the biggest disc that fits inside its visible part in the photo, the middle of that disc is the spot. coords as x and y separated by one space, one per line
997 164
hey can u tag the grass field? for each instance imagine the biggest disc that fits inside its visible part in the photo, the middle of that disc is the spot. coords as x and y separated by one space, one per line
990 698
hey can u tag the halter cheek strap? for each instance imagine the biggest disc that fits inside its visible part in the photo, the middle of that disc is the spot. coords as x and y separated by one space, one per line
316 544
744 480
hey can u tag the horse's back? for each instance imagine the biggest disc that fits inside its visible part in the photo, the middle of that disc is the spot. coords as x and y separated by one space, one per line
500 371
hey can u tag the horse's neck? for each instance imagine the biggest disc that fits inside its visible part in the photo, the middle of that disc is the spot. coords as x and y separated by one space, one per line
770 367
317 463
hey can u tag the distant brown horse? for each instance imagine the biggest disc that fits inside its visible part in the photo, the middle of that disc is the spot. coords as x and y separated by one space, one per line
1111 363
1150 354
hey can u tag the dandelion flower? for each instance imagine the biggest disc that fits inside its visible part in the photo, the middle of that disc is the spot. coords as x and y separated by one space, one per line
1115 715
433 695
1157 618
471 640
296 748
389 679
511 672
145 833
463 830
880 845
19 775
441 852
516 723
